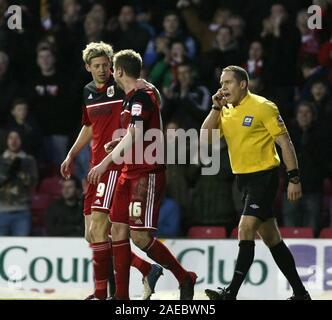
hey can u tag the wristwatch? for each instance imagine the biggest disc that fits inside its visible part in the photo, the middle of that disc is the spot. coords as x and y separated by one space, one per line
294 176
216 108
294 180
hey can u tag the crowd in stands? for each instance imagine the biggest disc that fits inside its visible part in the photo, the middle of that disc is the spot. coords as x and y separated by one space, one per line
185 44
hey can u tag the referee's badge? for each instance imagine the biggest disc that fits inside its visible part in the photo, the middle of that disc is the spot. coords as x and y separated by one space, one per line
110 91
247 121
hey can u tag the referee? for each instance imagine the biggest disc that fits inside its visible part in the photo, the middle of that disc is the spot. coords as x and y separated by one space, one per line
251 126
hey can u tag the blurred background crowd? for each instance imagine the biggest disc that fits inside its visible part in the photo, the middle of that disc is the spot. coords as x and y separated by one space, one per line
184 45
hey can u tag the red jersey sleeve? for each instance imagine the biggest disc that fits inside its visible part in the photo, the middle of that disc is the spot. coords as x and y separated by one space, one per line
85 117
141 108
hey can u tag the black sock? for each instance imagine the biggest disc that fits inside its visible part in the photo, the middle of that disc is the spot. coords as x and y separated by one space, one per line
286 263
243 263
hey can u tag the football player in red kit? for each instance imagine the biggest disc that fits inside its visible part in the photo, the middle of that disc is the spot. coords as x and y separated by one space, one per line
101 117
141 185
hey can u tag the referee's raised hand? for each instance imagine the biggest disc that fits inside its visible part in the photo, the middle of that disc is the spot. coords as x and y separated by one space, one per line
218 99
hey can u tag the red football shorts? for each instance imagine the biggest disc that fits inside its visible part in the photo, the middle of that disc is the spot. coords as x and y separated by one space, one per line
99 197
137 200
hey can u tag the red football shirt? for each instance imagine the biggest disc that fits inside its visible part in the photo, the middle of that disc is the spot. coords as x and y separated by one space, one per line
140 108
102 111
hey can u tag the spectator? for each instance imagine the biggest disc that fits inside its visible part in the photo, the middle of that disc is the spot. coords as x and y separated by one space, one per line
27 127
309 143
311 72
169 222
171 31
281 43
8 88
255 63
64 216
204 209
179 176
129 34
99 10
325 56
309 43
205 33
18 175
163 74
94 28
322 100
144 18
238 25
51 105
221 17
224 53
186 100
19 43
70 36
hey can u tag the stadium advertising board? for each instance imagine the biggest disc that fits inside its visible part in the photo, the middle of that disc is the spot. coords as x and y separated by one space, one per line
62 268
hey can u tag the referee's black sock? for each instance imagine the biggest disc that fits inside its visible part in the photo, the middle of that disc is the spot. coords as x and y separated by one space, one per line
243 263
286 263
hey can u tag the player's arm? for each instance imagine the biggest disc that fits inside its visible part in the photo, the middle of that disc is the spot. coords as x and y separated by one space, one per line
212 121
82 140
294 191
142 83
133 133
155 92
109 146
125 144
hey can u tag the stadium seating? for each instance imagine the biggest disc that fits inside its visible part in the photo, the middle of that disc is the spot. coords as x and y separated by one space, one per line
203 232
51 186
39 205
292 232
296 232
40 202
326 233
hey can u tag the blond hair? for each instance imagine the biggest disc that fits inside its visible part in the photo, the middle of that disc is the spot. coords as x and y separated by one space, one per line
97 49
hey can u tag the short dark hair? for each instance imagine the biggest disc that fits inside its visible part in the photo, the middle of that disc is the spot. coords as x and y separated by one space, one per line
45 46
240 74
308 104
18 101
130 61
171 13
320 80
15 130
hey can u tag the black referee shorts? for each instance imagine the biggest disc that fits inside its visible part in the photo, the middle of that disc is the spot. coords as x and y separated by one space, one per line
259 190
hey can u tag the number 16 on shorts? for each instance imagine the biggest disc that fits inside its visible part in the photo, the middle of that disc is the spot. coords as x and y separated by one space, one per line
135 209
